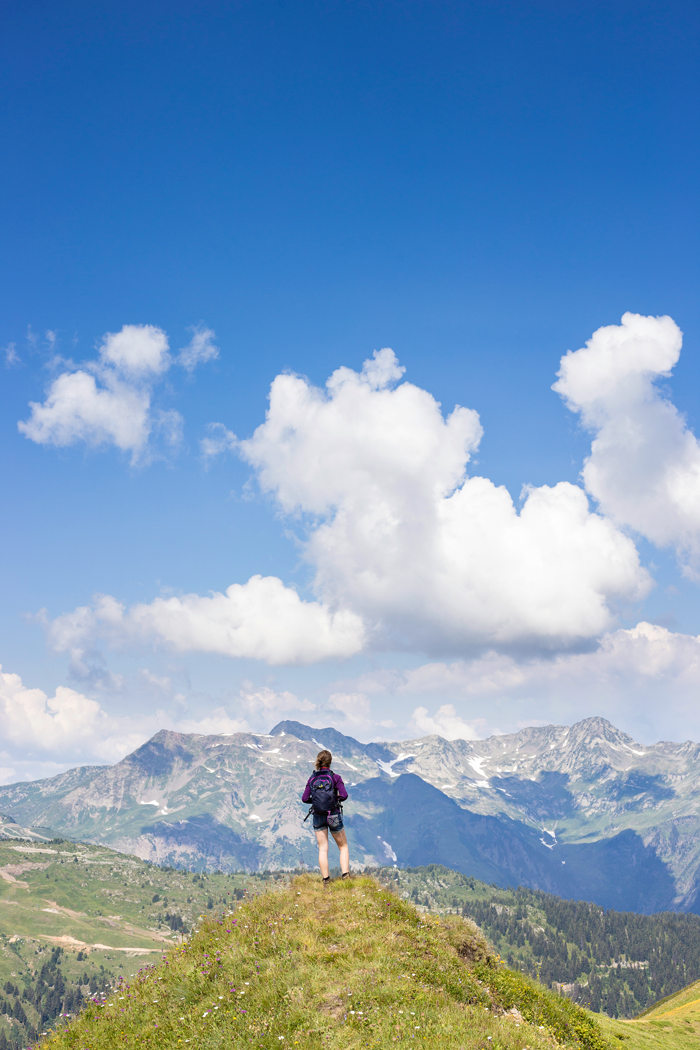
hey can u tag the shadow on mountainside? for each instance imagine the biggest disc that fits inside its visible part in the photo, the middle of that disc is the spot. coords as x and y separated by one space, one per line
202 841
547 798
157 757
421 825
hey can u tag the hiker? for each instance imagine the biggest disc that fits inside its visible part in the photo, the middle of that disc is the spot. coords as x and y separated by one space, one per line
325 791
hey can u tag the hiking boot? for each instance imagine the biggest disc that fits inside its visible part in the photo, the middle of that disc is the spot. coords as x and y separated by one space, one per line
345 875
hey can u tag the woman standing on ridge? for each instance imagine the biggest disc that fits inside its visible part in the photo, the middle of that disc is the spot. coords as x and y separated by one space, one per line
325 791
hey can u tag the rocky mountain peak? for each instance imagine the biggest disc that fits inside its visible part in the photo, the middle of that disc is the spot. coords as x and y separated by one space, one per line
598 731
535 806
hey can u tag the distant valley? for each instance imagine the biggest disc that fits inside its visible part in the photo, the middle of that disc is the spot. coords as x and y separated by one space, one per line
583 811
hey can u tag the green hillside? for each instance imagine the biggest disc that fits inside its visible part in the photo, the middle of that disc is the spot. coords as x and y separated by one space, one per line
618 963
673 1024
350 965
74 918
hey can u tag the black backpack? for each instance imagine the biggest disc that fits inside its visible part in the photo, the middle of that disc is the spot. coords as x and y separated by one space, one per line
324 797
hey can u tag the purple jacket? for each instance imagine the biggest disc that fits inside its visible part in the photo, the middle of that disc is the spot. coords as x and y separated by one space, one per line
337 780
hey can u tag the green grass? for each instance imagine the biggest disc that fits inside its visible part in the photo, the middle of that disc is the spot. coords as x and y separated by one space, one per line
78 895
98 907
572 943
672 1024
96 896
349 966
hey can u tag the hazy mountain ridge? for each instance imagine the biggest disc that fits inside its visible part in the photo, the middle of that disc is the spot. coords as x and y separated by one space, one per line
10 829
581 811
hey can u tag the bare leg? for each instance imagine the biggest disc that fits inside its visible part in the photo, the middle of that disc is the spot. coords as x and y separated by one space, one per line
341 841
322 839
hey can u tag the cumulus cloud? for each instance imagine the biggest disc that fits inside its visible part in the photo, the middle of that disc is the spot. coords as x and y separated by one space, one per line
42 735
67 726
77 409
428 557
408 551
108 401
646 677
201 348
138 350
446 723
644 467
261 619
411 552
263 702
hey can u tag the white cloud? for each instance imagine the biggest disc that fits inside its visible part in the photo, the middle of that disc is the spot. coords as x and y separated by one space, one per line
261 619
109 401
646 678
408 551
218 441
216 723
429 558
201 348
138 350
11 355
68 725
353 709
160 682
446 723
76 409
411 553
263 703
644 467
351 713
644 657
43 735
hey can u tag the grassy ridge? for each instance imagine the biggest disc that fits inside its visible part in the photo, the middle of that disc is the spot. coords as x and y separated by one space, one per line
614 962
687 996
672 1024
349 965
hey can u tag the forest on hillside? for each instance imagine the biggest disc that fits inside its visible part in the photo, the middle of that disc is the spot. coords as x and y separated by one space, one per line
622 962
614 962
29 1009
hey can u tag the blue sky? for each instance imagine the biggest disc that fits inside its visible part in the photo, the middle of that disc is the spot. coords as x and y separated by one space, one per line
478 186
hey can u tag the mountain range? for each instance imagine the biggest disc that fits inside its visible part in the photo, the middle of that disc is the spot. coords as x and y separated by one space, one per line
582 811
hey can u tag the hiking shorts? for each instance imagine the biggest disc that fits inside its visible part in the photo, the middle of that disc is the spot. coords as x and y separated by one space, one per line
332 821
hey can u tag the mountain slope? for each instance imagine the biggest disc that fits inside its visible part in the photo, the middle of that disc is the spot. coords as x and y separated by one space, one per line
425 826
610 961
580 811
73 916
673 1024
